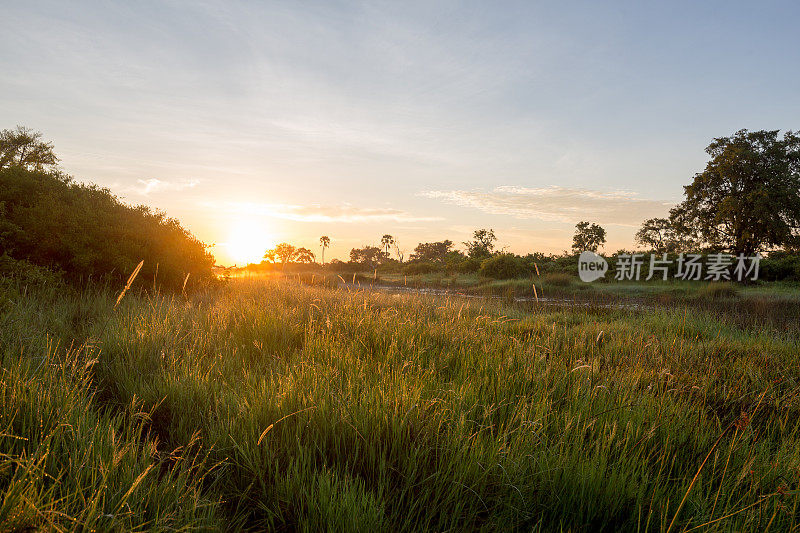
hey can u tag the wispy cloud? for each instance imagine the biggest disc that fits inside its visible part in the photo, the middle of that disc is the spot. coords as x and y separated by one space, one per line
558 204
156 185
344 213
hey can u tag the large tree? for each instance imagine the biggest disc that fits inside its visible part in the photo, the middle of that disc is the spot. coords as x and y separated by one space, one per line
748 197
588 237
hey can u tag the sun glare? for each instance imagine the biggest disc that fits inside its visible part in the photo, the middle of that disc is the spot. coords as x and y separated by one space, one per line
247 242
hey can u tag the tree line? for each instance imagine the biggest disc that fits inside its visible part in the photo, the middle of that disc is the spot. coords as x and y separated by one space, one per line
745 201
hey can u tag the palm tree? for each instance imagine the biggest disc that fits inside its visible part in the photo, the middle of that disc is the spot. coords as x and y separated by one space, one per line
325 241
387 240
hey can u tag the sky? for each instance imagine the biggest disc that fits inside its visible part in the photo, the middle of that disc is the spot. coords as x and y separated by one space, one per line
260 122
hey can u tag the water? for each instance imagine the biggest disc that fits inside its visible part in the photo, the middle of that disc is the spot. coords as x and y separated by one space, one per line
438 291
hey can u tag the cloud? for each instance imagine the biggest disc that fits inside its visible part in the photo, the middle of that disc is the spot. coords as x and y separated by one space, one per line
559 204
155 185
344 213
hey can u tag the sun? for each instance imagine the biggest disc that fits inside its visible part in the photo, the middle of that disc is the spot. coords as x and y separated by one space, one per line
247 242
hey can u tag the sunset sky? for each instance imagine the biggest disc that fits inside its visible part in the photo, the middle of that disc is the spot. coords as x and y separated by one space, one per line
260 122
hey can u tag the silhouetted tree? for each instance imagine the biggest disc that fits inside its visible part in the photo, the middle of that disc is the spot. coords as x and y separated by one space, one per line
324 241
304 255
370 256
588 237
434 252
387 240
285 252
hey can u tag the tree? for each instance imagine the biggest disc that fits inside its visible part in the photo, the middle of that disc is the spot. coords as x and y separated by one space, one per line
482 244
387 240
304 255
24 148
588 237
325 242
748 197
285 252
432 251
663 235
370 256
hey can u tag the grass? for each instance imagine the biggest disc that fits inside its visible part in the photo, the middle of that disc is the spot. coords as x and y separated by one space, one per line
715 291
557 279
283 405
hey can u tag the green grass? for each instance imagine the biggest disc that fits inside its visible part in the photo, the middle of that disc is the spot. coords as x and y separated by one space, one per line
273 404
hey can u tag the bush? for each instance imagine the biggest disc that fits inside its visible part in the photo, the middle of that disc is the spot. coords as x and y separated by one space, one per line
421 267
468 266
780 266
502 266
336 265
27 273
86 233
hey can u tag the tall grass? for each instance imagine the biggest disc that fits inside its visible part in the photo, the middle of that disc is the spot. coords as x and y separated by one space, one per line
273 404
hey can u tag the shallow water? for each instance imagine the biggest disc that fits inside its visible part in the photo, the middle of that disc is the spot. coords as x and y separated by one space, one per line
437 291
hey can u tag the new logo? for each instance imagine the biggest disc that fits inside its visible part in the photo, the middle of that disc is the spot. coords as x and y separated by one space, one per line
591 266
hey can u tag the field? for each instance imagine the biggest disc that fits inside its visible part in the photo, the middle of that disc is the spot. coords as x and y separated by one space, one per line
267 403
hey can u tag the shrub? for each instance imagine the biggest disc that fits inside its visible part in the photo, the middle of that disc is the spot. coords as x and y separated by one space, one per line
780 266
421 267
27 273
468 266
502 266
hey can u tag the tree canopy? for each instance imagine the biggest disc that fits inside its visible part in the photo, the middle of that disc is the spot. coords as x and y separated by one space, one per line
748 197
24 148
370 256
287 253
588 237
482 244
662 235
432 251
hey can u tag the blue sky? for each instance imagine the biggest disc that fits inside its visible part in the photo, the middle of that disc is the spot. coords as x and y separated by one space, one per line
260 122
